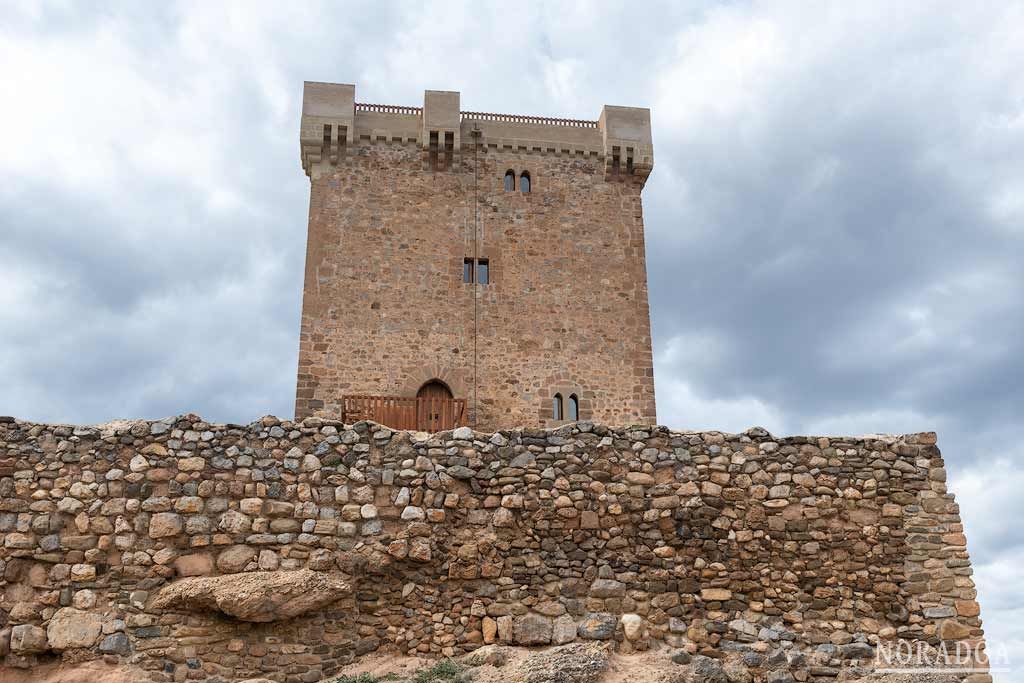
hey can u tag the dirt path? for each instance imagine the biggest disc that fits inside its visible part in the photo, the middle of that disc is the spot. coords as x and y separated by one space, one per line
82 672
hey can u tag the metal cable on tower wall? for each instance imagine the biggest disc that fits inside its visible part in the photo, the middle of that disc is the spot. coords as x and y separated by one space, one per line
476 266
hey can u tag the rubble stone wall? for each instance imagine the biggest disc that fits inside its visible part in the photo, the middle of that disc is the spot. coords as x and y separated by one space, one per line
800 553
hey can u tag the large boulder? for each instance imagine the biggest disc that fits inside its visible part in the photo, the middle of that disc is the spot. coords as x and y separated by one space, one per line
70 628
255 596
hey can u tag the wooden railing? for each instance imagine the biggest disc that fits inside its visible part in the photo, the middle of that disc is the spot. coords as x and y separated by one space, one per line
478 115
389 109
401 412
518 118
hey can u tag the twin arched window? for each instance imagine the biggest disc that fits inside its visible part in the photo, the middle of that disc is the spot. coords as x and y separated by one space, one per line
510 181
562 410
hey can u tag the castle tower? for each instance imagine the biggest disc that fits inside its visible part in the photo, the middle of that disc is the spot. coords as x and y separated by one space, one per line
465 268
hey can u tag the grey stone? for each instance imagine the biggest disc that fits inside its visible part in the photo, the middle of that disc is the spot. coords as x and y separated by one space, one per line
532 629
607 588
115 643
598 626
857 651
709 670
563 630
460 472
462 434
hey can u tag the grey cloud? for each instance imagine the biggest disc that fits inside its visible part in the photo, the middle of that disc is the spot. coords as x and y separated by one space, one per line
834 223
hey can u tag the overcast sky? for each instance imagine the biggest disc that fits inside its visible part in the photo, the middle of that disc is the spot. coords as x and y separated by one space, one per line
835 222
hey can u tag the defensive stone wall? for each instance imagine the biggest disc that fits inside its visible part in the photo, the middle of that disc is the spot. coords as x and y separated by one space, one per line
799 554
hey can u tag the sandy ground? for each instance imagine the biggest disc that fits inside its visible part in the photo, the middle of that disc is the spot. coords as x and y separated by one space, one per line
640 667
82 672
379 664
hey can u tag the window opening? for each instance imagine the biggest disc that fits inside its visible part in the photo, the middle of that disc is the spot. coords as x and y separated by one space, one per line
524 182
574 408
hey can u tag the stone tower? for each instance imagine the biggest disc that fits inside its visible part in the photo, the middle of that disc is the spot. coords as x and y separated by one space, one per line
466 268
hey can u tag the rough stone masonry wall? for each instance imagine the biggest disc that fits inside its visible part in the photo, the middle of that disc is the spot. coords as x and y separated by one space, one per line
385 308
797 553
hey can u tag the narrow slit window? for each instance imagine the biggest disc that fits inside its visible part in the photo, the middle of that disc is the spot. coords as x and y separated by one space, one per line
574 408
433 150
510 180
449 149
629 160
476 270
524 182
556 410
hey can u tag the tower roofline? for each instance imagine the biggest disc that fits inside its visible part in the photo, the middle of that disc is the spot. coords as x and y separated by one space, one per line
332 119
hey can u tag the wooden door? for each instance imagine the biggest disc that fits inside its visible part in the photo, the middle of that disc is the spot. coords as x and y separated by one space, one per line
433 403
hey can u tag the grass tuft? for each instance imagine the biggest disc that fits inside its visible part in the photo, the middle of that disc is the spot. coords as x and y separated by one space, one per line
366 678
444 671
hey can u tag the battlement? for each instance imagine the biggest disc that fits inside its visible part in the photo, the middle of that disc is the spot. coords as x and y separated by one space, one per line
333 122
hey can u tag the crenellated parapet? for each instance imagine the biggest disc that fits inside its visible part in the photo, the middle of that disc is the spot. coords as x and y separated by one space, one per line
333 122
626 140
328 123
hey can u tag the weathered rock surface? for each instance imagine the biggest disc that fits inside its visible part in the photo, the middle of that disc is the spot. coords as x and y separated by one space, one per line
255 596
707 670
532 629
70 627
598 626
27 639
576 663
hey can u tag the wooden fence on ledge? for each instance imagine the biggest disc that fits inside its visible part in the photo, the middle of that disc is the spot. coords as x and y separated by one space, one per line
429 414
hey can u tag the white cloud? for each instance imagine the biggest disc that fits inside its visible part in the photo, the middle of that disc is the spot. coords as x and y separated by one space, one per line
991 505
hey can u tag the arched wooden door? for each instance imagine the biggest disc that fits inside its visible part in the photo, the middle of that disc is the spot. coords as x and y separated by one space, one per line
433 405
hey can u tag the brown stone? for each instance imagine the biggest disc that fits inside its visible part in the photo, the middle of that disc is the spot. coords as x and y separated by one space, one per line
489 628
419 550
197 564
235 558
953 630
967 608
164 524
73 628
715 594
28 639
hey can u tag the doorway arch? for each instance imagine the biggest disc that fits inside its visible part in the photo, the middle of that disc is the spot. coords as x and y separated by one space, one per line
435 388
434 406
